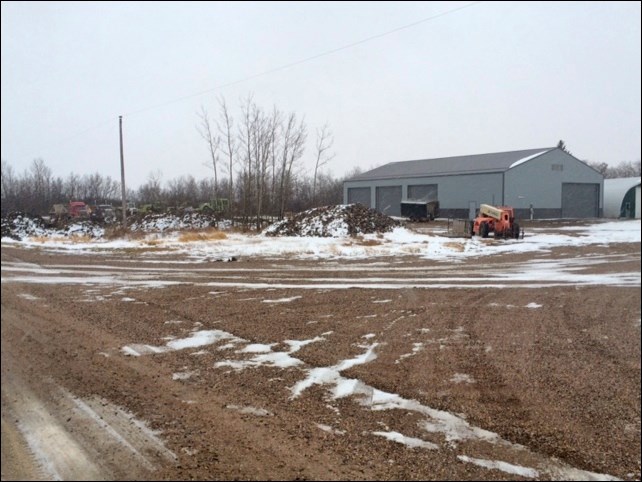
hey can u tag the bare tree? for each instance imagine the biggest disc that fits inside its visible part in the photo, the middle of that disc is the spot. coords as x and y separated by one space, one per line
41 183
323 145
329 190
95 187
9 188
274 156
264 139
257 136
111 188
191 191
623 169
601 167
175 193
151 191
261 154
294 137
213 142
226 129
245 142
57 191
626 169
72 186
205 190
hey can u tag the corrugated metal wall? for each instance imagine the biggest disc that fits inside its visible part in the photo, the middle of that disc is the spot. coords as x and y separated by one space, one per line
423 192
540 182
537 182
454 192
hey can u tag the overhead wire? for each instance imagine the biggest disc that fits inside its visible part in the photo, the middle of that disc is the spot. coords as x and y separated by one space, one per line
301 61
102 124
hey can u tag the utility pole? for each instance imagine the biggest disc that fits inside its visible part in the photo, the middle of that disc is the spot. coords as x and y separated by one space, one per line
122 171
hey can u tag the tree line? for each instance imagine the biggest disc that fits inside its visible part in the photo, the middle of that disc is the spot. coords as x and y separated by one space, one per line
256 162
36 190
623 169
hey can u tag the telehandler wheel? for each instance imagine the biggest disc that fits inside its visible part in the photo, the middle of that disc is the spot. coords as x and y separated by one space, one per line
483 230
516 231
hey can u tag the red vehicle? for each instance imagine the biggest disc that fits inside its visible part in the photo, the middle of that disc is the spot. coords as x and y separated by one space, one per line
497 220
78 209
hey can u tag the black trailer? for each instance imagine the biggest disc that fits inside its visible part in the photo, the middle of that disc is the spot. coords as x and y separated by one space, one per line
420 210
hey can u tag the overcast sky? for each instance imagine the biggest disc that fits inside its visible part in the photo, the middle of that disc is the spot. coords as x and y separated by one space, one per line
461 78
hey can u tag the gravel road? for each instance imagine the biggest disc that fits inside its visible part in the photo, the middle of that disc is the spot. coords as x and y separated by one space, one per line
125 365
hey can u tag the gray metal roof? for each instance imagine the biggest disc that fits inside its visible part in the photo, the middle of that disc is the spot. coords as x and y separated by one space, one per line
478 163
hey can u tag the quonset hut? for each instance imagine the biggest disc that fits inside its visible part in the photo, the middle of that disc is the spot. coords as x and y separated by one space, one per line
622 197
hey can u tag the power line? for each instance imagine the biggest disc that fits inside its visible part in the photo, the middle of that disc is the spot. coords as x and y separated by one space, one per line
307 59
270 71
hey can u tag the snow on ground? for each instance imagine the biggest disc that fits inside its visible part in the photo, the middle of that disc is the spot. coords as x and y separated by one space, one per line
453 429
169 222
399 242
23 227
333 221
445 427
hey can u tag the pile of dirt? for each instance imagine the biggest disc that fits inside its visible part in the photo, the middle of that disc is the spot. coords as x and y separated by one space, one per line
333 221
159 223
327 221
19 226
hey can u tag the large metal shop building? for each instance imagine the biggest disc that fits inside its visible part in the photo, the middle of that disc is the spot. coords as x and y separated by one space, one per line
539 183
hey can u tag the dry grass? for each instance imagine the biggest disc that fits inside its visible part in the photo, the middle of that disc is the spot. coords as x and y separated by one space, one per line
41 239
207 235
80 238
242 229
363 242
135 234
369 242
74 238
115 233
139 250
455 246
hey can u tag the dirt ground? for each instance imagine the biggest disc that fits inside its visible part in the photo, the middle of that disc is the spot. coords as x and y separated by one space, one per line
485 383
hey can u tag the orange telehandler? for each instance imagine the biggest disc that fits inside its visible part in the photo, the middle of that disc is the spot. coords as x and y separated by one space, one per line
497 220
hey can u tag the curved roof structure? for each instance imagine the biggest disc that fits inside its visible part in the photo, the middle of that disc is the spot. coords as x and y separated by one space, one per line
614 192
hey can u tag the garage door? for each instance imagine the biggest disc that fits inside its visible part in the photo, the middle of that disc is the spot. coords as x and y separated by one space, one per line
422 192
580 200
359 195
389 200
